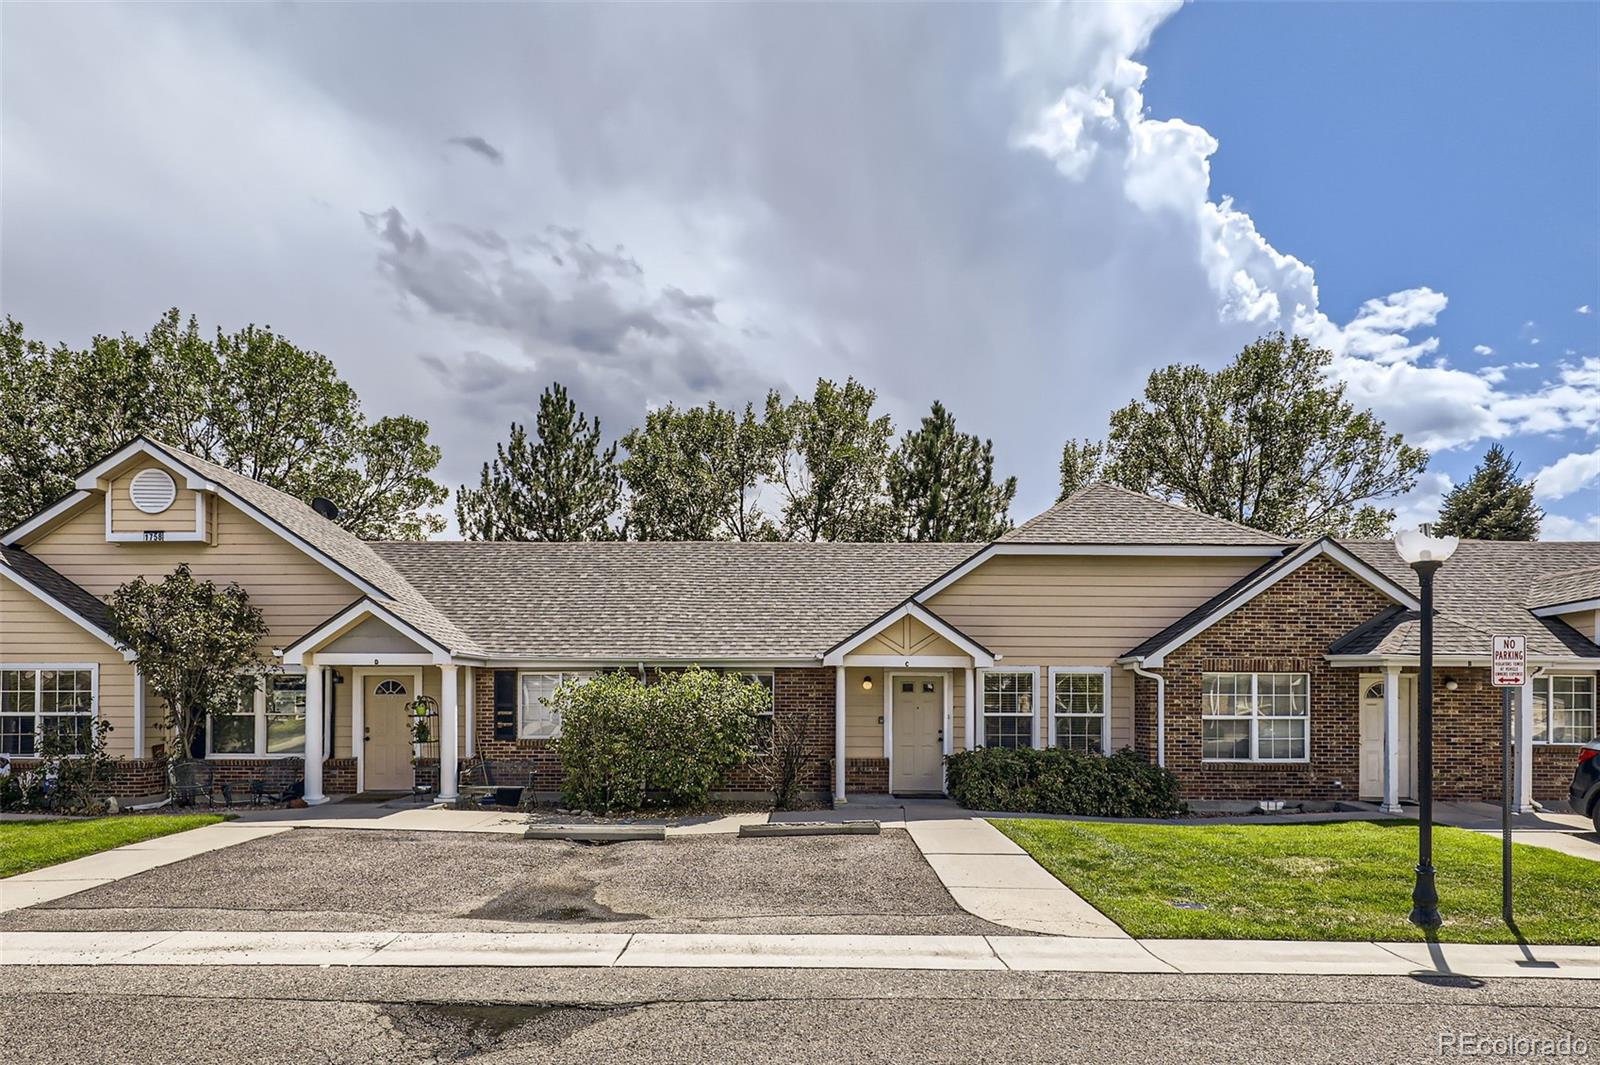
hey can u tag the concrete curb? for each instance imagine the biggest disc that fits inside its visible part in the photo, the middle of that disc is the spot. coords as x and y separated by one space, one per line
801 828
694 951
597 833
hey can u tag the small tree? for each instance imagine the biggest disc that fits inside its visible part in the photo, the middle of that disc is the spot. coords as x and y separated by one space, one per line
942 485
197 646
1493 504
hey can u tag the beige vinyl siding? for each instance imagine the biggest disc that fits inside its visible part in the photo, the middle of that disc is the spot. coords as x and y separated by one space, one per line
1080 610
127 518
1585 621
343 708
909 636
863 710
34 633
293 591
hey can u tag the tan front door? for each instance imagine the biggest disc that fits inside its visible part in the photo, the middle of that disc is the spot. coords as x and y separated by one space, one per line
918 751
387 753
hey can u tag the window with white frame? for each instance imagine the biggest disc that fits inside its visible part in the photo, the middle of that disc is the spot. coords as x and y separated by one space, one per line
536 719
1008 709
1081 701
270 719
36 702
1255 717
1563 709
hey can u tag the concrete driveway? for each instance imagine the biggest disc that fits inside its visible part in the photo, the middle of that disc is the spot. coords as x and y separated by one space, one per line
349 880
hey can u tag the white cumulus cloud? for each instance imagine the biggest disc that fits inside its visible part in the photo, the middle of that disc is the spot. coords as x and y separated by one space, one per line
1567 475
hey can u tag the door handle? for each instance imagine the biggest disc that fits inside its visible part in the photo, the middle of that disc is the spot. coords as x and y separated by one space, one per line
366 735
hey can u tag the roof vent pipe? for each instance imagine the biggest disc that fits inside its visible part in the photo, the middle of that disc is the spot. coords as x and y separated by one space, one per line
324 506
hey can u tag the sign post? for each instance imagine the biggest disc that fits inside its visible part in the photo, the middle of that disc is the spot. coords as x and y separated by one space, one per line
1509 669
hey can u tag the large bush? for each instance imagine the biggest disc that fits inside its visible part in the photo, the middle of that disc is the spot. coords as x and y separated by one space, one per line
626 745
1054 781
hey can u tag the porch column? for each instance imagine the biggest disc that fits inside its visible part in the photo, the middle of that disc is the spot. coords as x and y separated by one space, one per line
138 713
1524 741
449 723
838 736
1391 740
314 748
969 710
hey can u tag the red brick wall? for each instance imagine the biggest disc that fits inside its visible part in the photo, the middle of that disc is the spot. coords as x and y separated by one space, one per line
1288 628
1285 629
134 778
869 776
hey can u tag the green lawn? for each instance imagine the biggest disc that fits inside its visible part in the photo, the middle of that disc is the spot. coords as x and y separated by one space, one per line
26 845
1335 880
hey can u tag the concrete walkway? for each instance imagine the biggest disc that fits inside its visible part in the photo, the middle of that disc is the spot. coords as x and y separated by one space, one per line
80 874
1568 833
1018 953
991 877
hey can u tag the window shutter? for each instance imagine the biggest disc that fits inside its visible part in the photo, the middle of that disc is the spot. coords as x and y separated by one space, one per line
505 704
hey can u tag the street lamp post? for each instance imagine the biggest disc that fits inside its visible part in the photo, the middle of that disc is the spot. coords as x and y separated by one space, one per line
1425 553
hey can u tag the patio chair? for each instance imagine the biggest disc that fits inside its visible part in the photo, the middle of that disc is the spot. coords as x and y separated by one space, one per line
190 780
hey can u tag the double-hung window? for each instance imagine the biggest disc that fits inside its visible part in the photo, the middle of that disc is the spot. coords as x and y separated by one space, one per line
1080 707
1008 708
268 719
536 718
1255 717
41 701
1563 709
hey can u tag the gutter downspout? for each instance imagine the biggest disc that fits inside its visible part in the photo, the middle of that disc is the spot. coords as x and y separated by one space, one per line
1161 712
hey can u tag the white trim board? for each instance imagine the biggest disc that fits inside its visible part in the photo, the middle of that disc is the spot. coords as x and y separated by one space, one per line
1154 550
1558 609
295 653
1322 547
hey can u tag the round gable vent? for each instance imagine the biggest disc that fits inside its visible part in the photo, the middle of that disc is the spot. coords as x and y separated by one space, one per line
152 490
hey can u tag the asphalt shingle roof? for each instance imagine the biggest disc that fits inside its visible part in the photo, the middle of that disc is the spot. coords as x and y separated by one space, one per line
1573 586
1483 590
1106 514
57 587
666 601
339 544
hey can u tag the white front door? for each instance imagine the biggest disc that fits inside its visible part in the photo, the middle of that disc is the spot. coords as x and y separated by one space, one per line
918 752
1372 737
387 749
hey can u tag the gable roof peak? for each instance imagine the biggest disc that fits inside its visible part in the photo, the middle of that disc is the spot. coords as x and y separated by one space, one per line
1103 513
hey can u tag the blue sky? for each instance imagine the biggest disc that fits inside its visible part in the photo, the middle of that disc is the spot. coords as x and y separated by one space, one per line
1393 145
1019 210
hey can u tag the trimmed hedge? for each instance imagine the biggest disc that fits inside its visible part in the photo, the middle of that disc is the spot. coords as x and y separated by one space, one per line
1023 780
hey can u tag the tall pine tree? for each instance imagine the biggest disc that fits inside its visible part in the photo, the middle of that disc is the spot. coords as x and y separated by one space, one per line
562 485
1493 504
942 486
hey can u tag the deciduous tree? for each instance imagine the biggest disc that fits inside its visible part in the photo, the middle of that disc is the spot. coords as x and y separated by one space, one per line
251 401
198 646
831 468
1269 441
696 474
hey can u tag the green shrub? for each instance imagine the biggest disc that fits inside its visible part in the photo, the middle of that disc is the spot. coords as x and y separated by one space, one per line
1023 780
626 745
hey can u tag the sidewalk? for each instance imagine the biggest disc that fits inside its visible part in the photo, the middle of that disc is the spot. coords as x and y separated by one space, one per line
933 953
1568 833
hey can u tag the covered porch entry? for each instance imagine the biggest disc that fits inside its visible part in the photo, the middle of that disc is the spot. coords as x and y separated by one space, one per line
903 700
367 672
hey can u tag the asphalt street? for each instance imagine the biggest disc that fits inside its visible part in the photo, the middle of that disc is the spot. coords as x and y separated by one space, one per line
137 1015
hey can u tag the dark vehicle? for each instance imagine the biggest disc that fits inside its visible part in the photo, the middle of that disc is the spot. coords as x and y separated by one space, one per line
1586 783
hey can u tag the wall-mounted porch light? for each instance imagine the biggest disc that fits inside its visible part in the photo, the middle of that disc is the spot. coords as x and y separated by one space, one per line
866 683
